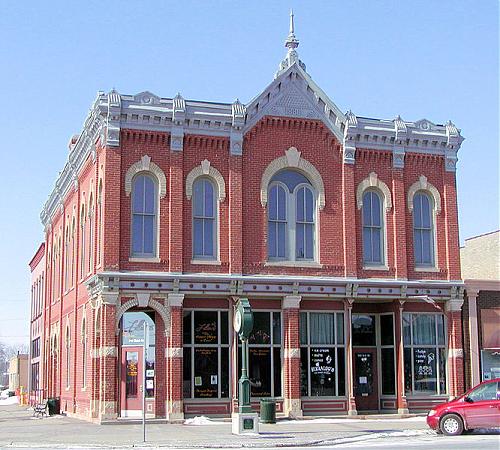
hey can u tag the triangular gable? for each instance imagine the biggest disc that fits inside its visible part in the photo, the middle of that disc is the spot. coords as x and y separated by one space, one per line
293 93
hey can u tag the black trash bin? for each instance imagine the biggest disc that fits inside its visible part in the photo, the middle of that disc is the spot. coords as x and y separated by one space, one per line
268 410
54 405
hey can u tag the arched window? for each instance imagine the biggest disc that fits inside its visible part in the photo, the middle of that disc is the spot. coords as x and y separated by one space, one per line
144 215
68 356
66 259
204 219
99 222
373 241
84 353
423 229
91 233
291 217
82 242
73 250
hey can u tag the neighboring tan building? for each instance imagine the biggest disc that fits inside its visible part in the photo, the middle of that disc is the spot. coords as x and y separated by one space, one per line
341 230
480 260
37 269
18 372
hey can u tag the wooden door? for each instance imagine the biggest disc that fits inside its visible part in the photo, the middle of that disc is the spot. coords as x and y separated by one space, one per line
365 379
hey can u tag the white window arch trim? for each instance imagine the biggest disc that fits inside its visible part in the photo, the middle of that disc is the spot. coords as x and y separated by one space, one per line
146 165
373 183
423 185
206 169
293 160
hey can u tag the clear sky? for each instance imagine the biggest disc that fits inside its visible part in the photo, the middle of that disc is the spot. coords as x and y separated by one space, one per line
417 58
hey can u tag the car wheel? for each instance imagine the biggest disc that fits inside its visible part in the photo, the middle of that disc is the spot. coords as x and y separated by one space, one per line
451 425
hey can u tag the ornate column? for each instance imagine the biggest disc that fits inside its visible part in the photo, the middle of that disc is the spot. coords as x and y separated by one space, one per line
472 295
400 361
174 397
108 407
455 350
291 360
351 401
94 381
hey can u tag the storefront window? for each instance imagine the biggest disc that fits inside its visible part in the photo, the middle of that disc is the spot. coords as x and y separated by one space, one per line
388 369
424 353
363 330
490 363
264 355
206 354
322 354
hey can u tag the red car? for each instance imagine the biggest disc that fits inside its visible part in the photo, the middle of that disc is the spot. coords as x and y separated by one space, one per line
477 408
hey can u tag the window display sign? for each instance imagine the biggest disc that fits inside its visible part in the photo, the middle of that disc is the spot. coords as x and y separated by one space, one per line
205 327
490 364
205 366
322 361
424 359
133 328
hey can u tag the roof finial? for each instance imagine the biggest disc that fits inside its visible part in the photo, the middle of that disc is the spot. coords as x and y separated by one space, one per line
291 41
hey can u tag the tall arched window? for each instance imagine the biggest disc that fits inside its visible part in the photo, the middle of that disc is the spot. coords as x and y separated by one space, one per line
423 229
84 353
144 215
68 357
99 222
373 239
82 242
91 233
66 259
204 219
73 250
291 217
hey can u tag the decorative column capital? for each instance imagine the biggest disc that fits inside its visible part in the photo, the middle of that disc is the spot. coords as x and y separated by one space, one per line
454 304
175 299
472 293
291 301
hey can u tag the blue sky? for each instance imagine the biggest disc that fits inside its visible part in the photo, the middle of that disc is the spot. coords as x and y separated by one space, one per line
418 58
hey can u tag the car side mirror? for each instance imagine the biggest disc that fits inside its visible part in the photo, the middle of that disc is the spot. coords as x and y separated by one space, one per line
468 400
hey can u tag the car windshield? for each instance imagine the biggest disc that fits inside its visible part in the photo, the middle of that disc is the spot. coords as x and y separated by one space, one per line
486 391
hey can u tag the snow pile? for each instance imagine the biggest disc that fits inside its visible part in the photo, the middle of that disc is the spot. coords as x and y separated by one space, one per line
201 420
9 401
4 394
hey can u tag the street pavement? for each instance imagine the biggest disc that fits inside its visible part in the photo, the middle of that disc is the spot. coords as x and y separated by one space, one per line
20 430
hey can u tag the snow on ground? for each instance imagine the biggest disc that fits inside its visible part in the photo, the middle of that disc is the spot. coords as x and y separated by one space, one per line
202 420
9 401
4 394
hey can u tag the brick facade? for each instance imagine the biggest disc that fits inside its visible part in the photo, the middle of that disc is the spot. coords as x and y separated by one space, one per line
241 142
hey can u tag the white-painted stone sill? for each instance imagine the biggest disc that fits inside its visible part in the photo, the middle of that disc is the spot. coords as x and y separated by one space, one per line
145 260
312 264
206 262
427 269
385 268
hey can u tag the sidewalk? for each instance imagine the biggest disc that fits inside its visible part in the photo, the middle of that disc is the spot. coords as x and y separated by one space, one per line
19 429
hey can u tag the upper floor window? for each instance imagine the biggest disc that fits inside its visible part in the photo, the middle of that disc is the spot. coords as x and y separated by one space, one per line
423 229
373 242
144 215
291 217
204 219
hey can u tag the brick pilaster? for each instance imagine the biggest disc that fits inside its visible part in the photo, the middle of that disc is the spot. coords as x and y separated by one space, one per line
160 366
291 360
174 356
399 223
349 219
108 408
176 199
450 211
235 215
400 362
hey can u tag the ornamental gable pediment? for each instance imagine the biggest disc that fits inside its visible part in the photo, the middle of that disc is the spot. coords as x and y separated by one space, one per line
294 94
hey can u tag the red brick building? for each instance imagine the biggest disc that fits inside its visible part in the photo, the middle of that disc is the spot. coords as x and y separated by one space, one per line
341 230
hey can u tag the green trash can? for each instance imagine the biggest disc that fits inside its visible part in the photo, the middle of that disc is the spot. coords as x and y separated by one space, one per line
267 410
54 405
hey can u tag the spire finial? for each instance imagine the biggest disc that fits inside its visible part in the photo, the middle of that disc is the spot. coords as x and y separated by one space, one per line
291 41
